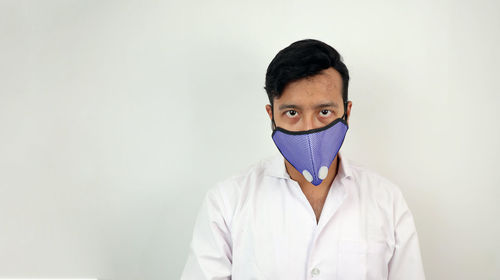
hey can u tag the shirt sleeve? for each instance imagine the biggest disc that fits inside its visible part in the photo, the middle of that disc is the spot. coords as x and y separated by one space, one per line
210 254
406 262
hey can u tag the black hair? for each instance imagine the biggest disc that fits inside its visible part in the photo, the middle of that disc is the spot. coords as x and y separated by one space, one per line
302 59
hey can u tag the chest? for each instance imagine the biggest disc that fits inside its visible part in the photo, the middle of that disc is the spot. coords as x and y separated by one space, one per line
277 237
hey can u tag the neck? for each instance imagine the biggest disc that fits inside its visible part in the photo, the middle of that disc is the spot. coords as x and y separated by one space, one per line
307 186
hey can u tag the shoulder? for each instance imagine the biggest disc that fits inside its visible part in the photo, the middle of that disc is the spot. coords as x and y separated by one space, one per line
369 183
245 178
232 192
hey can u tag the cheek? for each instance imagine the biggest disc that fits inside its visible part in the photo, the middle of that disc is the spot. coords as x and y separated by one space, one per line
290 120
283 121
325 116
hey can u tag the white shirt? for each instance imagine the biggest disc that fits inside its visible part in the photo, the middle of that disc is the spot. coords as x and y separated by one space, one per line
259 225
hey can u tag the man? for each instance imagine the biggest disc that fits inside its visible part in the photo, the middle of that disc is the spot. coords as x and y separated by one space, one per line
308 212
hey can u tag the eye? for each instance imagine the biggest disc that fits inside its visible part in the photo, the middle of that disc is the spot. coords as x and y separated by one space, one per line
291 113
325 113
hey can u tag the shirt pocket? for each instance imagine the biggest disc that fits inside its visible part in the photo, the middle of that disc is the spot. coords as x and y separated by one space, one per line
363 260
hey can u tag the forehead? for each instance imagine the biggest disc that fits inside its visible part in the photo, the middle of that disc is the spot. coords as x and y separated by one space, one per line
325 86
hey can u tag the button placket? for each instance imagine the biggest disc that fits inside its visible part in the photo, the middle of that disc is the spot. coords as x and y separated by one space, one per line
314 272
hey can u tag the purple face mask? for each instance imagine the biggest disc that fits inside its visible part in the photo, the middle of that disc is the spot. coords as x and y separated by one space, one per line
311 152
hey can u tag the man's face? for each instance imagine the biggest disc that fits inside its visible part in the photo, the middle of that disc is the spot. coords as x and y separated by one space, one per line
311 102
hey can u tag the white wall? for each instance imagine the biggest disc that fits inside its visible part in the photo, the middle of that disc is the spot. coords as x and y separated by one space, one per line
117 116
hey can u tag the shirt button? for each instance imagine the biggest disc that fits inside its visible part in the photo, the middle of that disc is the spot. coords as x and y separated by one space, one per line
315 271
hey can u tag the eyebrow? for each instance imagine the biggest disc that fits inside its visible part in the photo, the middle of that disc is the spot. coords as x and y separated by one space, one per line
329 104
289 106
322 105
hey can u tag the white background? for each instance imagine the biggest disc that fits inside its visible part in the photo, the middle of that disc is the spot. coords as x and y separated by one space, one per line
117 116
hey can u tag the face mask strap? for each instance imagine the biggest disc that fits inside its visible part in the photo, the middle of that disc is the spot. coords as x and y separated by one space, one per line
345 111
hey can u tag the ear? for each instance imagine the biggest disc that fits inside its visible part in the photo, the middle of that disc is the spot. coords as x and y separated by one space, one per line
269 111
348 113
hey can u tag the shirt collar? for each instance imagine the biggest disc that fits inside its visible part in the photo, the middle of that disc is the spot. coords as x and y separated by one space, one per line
275 167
